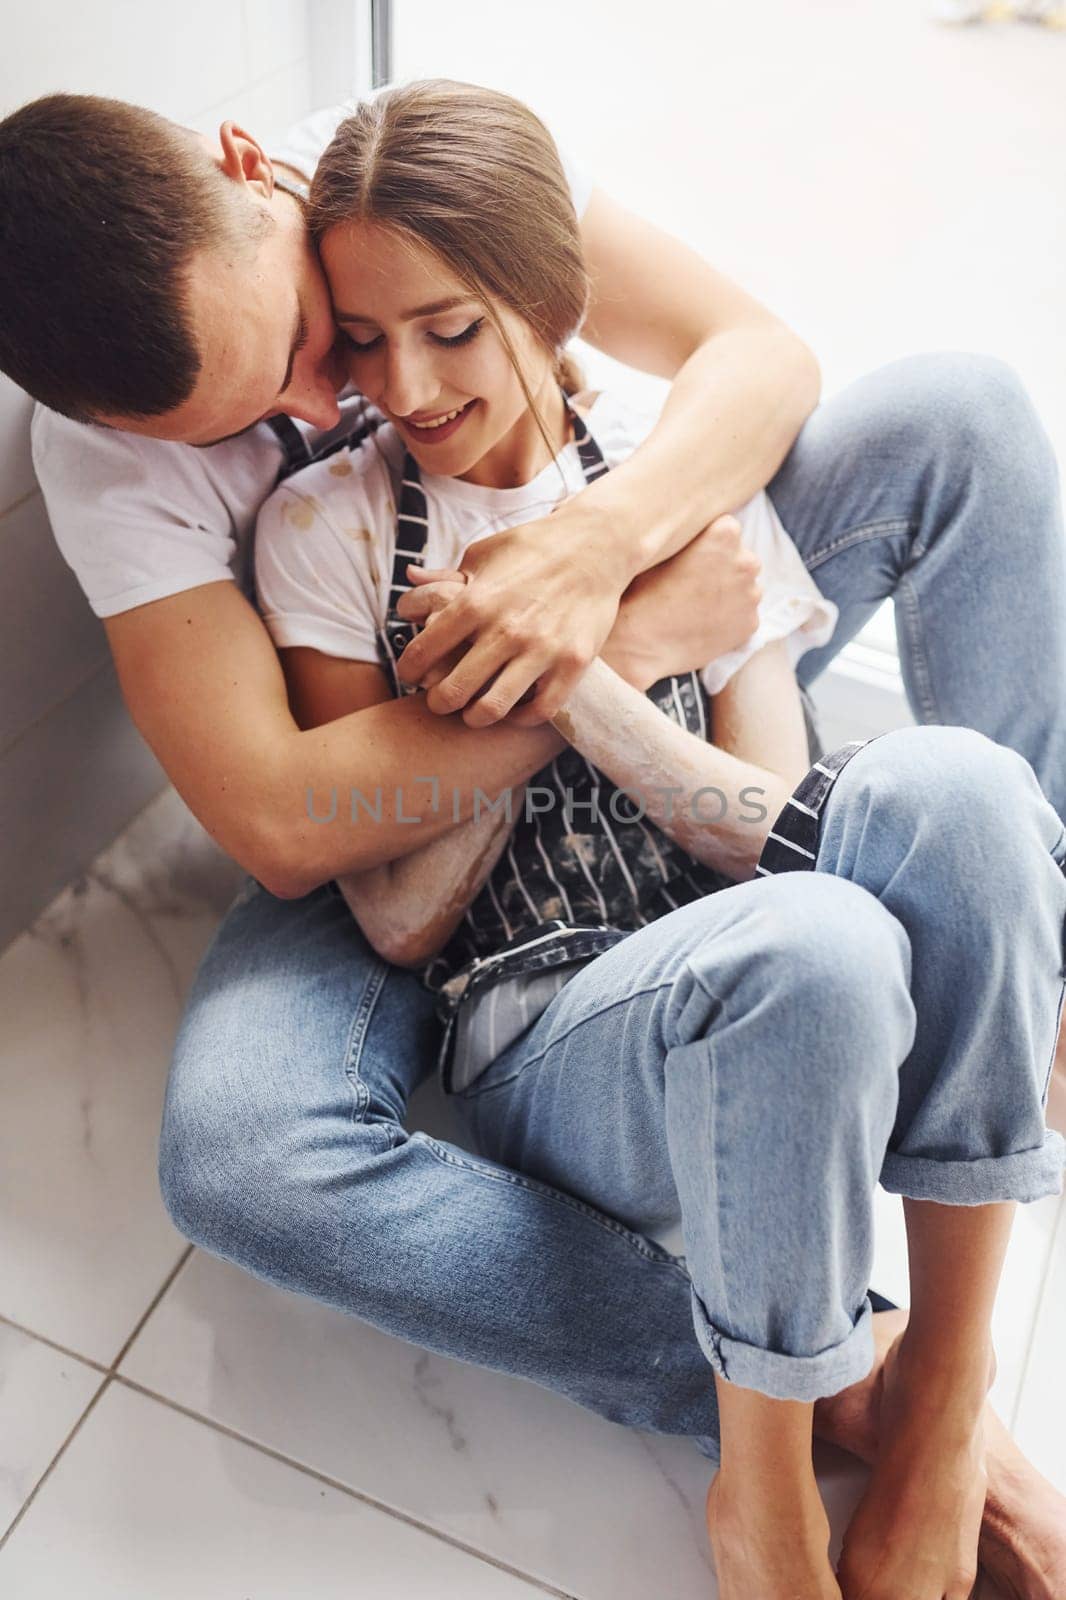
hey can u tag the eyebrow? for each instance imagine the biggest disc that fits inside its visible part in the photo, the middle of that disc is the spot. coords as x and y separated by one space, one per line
299 339
434 309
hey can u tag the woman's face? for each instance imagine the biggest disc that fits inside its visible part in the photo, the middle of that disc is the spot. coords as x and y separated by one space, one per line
422 349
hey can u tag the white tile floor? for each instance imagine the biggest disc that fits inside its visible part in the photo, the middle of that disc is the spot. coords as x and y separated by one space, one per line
170 1427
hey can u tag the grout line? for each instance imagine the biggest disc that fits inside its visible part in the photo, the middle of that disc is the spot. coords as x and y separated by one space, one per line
160 1292
91 672
108 1374
1042 1298
53 1344
21 501
335 1483
47 1473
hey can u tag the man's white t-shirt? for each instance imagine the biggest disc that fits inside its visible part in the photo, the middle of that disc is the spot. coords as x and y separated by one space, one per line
326 540
140 519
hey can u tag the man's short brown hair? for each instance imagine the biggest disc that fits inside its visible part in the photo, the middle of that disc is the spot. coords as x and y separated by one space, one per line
102 206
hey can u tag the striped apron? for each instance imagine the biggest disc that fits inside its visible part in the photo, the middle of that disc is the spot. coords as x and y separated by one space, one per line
578 875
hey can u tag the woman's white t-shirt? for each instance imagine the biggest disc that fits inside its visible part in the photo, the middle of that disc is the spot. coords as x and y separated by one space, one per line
326 539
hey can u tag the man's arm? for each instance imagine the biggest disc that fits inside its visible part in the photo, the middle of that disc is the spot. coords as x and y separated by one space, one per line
204 685
408 908
743 385
543 597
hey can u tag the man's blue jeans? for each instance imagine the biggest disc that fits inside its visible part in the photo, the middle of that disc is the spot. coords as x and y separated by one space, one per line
283 1146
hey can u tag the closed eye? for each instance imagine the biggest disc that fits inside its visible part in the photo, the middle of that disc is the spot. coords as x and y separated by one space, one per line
357 345
460 338
469 333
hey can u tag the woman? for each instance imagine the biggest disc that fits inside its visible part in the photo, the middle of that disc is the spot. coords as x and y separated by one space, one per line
750 1053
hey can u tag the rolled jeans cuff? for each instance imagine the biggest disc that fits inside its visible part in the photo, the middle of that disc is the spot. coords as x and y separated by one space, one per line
785 1377
1025 1176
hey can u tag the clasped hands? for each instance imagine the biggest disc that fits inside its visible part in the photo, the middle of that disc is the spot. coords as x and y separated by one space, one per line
512 631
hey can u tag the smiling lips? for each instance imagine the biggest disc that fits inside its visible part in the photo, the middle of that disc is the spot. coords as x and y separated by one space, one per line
437 429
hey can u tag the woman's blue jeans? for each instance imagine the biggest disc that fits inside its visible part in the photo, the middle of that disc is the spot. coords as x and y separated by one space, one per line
788 1042
756 1062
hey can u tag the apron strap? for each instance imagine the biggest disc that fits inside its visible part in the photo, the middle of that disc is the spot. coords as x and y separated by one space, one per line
412 528
589 453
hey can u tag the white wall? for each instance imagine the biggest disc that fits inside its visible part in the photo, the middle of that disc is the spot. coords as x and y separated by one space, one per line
72 768
885 184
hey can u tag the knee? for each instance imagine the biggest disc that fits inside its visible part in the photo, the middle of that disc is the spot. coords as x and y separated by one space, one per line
853 1021
240 1184
206 1165
847 957
959 393
975 803
844 1016
820 963
974 410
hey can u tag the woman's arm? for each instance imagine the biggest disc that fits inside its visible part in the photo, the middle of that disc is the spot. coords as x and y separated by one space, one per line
408 908
758 716
718 803
414 905
543 597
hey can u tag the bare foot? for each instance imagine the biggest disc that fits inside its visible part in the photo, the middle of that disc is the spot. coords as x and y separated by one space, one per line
776 1549
851 1419
1023 1536
1023 1533
915 1532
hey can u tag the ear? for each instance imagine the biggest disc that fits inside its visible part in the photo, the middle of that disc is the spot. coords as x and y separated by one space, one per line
244 160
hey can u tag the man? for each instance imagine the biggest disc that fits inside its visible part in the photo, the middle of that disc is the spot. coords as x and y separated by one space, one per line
163 302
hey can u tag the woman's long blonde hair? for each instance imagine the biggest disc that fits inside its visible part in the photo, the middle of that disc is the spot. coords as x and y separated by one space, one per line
474 176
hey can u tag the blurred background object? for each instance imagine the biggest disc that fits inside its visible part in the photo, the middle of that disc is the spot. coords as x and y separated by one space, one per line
1051 13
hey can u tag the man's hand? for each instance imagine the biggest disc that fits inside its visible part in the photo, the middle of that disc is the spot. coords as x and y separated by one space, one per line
683 613
434 589
700 603
537 609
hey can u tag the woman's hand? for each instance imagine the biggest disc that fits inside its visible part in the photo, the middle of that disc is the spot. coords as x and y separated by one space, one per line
533 615
699 604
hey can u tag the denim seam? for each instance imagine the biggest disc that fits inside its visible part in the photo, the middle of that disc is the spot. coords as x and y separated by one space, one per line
868 530
716 1164
912 616
357 1036
521 1180
501 1083
1054 1051
722 1207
